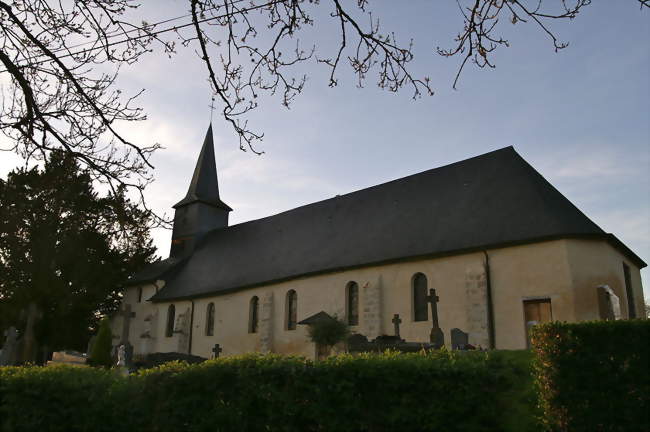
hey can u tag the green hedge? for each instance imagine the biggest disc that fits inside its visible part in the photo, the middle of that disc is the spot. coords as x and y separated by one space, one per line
593 376
422 392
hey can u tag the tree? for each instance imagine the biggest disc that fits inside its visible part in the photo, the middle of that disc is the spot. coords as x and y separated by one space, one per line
101 350
62 60
327 332
65 251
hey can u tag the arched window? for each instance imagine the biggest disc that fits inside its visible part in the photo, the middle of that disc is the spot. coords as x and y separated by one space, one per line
171 317
209 320
253 314
352 303
292 310
139 294
420 310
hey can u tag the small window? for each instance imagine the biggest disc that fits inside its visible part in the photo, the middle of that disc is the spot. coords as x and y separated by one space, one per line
352 303
209 320
420 310
139 294
629 293
253 314
171 317
292 310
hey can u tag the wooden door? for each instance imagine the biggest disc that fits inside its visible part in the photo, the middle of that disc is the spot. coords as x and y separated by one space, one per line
536 312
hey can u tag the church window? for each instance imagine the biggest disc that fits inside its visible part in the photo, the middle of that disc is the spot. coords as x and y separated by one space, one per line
171 317
139 294
209 320
352 303
292 309
631 309
253 314
420 310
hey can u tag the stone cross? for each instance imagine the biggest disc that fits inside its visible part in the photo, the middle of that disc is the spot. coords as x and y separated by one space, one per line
437 337
433 299
127 315
216 350
396 322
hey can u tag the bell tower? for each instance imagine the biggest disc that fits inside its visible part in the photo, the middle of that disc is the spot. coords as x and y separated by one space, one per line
202 209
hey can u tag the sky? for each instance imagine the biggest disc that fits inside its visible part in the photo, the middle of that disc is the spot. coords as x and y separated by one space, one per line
579 116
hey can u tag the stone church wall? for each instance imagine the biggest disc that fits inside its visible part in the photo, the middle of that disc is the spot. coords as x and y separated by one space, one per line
543 270
594 263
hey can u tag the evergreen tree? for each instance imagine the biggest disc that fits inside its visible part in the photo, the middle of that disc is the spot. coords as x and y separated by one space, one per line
101 350
66 250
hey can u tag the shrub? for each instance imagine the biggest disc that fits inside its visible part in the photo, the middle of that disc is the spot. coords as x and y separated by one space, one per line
593 376
328 332
440 391
101 350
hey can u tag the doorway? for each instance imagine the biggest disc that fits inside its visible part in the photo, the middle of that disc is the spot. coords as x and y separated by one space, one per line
536 312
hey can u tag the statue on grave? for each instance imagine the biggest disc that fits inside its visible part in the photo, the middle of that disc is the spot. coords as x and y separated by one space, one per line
121 356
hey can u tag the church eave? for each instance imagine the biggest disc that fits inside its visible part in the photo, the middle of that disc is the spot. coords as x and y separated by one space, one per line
609 238
216 202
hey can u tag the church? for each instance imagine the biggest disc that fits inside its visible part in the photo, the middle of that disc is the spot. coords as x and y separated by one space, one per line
497 244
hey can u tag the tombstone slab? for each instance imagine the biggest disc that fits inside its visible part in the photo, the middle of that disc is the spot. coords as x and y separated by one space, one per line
459 339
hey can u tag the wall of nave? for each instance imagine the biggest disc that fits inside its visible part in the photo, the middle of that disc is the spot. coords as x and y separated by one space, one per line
560 272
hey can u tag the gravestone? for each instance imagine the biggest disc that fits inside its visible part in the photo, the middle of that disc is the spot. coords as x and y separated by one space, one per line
459 339
396 322
437 337
72 358
609 305
216 351
9 347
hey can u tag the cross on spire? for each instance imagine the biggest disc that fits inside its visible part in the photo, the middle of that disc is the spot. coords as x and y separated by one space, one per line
127 314
396 322
211 109
216 350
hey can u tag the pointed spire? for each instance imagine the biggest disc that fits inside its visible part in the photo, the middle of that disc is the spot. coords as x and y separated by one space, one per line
204 186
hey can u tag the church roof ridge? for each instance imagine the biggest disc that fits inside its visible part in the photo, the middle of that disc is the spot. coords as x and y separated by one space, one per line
379 185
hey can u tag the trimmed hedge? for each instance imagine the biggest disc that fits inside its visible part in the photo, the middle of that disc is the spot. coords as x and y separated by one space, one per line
439 391
593 376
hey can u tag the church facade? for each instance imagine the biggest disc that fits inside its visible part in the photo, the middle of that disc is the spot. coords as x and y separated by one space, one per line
501 247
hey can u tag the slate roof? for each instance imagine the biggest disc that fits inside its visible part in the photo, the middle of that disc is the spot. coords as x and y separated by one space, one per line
491 200
317 317
160 269
204 186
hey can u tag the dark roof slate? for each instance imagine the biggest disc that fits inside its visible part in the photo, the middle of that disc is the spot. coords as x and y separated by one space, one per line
493 199
157 270
204 186
317 317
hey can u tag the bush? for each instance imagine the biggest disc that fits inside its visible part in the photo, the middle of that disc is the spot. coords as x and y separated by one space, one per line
101 349
328 332
593 376
440 391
